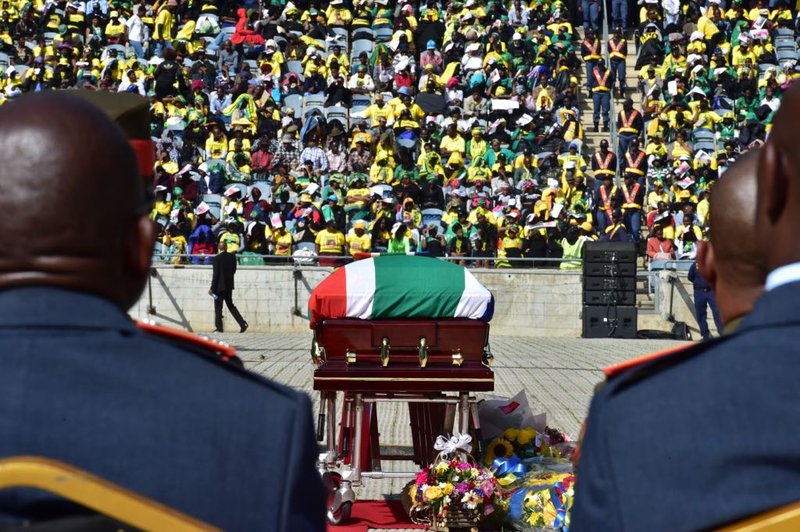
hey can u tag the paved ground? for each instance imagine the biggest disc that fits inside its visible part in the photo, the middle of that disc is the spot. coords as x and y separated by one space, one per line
558 376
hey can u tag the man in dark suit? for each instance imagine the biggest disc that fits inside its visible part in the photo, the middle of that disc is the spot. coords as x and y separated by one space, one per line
80 383
222 287
706 436
703 300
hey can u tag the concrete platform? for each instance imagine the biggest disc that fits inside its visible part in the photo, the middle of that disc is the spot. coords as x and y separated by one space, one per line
558 374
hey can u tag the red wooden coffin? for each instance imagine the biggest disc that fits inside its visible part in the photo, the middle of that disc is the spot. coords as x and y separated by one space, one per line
403 355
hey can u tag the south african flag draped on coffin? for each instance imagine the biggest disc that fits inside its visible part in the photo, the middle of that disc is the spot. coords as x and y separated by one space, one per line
400 287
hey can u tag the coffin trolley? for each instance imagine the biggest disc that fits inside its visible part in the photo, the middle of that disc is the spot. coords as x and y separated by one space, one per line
395 328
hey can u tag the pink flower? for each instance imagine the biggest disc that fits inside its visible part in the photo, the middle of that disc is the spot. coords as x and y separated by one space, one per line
463 466
423 477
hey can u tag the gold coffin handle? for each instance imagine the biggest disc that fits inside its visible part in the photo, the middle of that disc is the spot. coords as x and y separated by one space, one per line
458 358
385 349
423 352
349 357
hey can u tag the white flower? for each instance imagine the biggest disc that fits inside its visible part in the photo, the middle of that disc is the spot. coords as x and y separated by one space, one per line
470 500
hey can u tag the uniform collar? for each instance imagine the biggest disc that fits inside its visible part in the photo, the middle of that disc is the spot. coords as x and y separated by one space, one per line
776 307
784 275
41 306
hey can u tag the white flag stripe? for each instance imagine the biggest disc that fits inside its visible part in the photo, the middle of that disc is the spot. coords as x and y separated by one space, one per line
474 300
360 285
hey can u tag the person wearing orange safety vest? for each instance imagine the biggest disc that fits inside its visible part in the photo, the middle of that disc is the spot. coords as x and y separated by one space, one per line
601 95
591 55
635 161
604 162
632 200
606 200
630 124
617 53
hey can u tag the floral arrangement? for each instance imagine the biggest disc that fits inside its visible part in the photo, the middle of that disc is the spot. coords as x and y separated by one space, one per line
544 501
525 443
454 483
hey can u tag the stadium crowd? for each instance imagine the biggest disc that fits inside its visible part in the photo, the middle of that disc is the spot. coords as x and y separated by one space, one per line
442 127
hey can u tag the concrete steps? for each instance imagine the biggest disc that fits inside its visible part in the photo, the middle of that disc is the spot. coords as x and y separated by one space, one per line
592 139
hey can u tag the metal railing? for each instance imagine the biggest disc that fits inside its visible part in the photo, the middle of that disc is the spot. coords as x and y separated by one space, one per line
613 107
186 259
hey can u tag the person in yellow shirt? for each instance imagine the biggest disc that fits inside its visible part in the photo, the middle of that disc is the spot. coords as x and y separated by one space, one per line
480 209
708 24
743 54
573 156
676 59
336 53
780 14
378 110
175 244
452 142
282 240
164 29
358 239
703 207
337 14
655 147
216 144
705 118
330 241
657 195
115 29
162 206
360 134
681 147
238 135
477 146
382 170
758 11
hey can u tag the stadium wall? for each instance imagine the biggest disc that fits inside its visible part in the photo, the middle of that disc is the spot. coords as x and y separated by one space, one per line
527 302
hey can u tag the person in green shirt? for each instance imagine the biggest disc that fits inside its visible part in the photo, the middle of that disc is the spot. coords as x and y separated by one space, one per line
399 242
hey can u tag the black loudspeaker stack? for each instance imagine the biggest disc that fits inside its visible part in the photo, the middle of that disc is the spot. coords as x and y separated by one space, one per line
609 290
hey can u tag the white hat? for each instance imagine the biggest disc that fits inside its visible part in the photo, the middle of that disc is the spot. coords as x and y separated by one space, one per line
231 190
516 37
202 208
696 36
692 58
696 90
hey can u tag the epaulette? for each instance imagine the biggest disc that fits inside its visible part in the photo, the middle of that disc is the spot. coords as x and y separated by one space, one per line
650 365
616 369
190 340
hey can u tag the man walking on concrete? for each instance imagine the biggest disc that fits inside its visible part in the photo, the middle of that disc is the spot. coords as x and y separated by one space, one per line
704 298
222 287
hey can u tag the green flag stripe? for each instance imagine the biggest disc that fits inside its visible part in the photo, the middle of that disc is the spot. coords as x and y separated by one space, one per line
416 287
